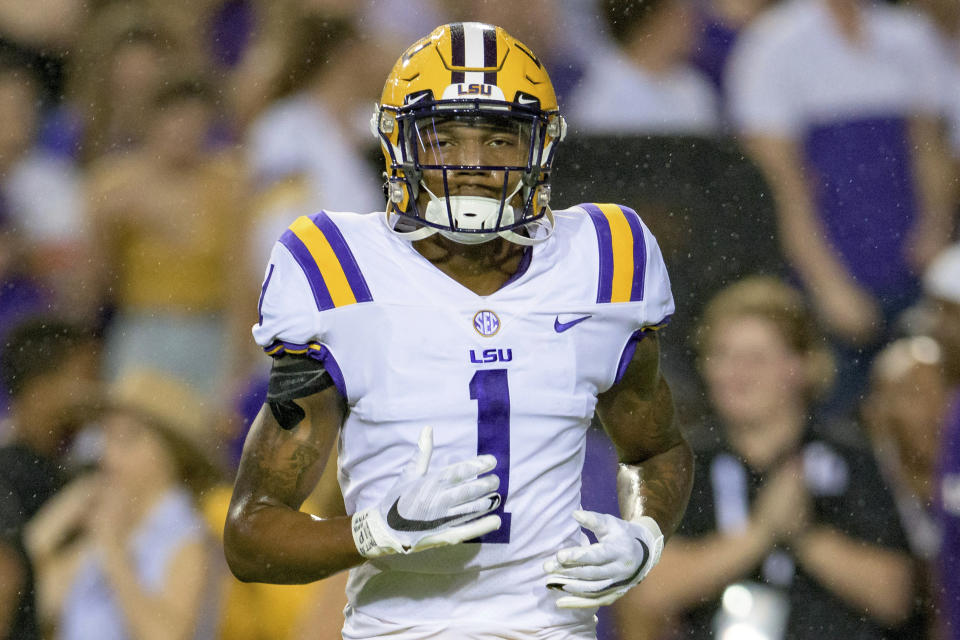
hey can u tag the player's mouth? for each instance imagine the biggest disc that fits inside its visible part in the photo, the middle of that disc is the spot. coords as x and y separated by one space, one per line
476 189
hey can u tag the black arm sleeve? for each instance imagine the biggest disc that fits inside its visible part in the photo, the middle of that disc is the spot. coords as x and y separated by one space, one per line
294 377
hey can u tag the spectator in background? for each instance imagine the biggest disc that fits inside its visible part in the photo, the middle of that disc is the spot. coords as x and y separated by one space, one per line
41 33
252 56
125 553
40 202
903 413
646 84
171 223
50 368
945 15
721 22
255 49
942 288
838 101
310 149
785 514
122 57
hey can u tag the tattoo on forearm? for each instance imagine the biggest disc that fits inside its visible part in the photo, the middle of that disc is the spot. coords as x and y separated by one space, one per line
302 460
281 463
656 474
283 471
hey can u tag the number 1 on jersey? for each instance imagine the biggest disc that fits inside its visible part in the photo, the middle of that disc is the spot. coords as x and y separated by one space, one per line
489 388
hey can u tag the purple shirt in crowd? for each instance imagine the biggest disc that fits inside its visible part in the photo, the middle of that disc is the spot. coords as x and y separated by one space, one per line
949 493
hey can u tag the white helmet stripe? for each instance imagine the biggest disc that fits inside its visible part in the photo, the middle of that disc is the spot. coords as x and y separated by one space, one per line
473 40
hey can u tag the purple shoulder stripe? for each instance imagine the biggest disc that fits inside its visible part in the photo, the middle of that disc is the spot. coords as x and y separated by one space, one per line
605 246
263 293
347 260
301 254
639 253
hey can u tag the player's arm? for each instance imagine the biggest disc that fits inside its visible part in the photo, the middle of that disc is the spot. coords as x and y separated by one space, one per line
653 487
267 538
656 463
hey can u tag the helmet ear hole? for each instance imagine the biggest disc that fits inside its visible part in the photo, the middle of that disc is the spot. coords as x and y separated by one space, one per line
395 192
543 196
557 128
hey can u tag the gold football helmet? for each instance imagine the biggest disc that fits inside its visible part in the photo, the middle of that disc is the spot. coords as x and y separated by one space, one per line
469 99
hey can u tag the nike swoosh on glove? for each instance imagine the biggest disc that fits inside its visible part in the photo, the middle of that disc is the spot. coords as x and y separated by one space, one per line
598 574
427 508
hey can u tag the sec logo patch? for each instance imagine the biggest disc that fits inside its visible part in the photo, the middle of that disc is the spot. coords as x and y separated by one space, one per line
486 323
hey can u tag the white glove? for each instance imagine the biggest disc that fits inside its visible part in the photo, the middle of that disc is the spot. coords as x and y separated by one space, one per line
430 509
598 574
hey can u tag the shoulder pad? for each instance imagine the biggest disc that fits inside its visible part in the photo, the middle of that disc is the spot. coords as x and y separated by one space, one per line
623 252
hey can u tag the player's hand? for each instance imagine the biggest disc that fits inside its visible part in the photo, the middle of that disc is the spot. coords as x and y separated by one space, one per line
430 508
598 574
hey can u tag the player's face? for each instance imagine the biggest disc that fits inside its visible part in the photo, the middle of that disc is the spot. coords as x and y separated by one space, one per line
468 144
751 372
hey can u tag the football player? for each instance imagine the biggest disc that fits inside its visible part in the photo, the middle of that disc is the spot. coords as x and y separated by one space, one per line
459 344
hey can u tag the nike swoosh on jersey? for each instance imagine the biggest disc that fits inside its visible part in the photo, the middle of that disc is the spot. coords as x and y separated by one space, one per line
399 523
560 327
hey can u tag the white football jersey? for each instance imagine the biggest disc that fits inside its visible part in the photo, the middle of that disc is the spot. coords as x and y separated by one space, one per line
514 374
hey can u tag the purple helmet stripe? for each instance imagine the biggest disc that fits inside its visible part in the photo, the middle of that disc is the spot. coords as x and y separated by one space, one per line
301 254
639 253
490 54
458 57
347 261
605 246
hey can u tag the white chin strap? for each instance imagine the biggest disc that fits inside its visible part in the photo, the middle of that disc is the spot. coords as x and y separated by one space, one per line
475 212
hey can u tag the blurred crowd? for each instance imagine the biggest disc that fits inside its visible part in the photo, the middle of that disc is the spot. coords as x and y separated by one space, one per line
152 151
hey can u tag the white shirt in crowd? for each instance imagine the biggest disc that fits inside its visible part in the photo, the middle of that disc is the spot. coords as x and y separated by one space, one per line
793 69
617 96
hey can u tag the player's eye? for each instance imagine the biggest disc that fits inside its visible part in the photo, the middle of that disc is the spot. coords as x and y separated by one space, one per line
440 141
502 141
